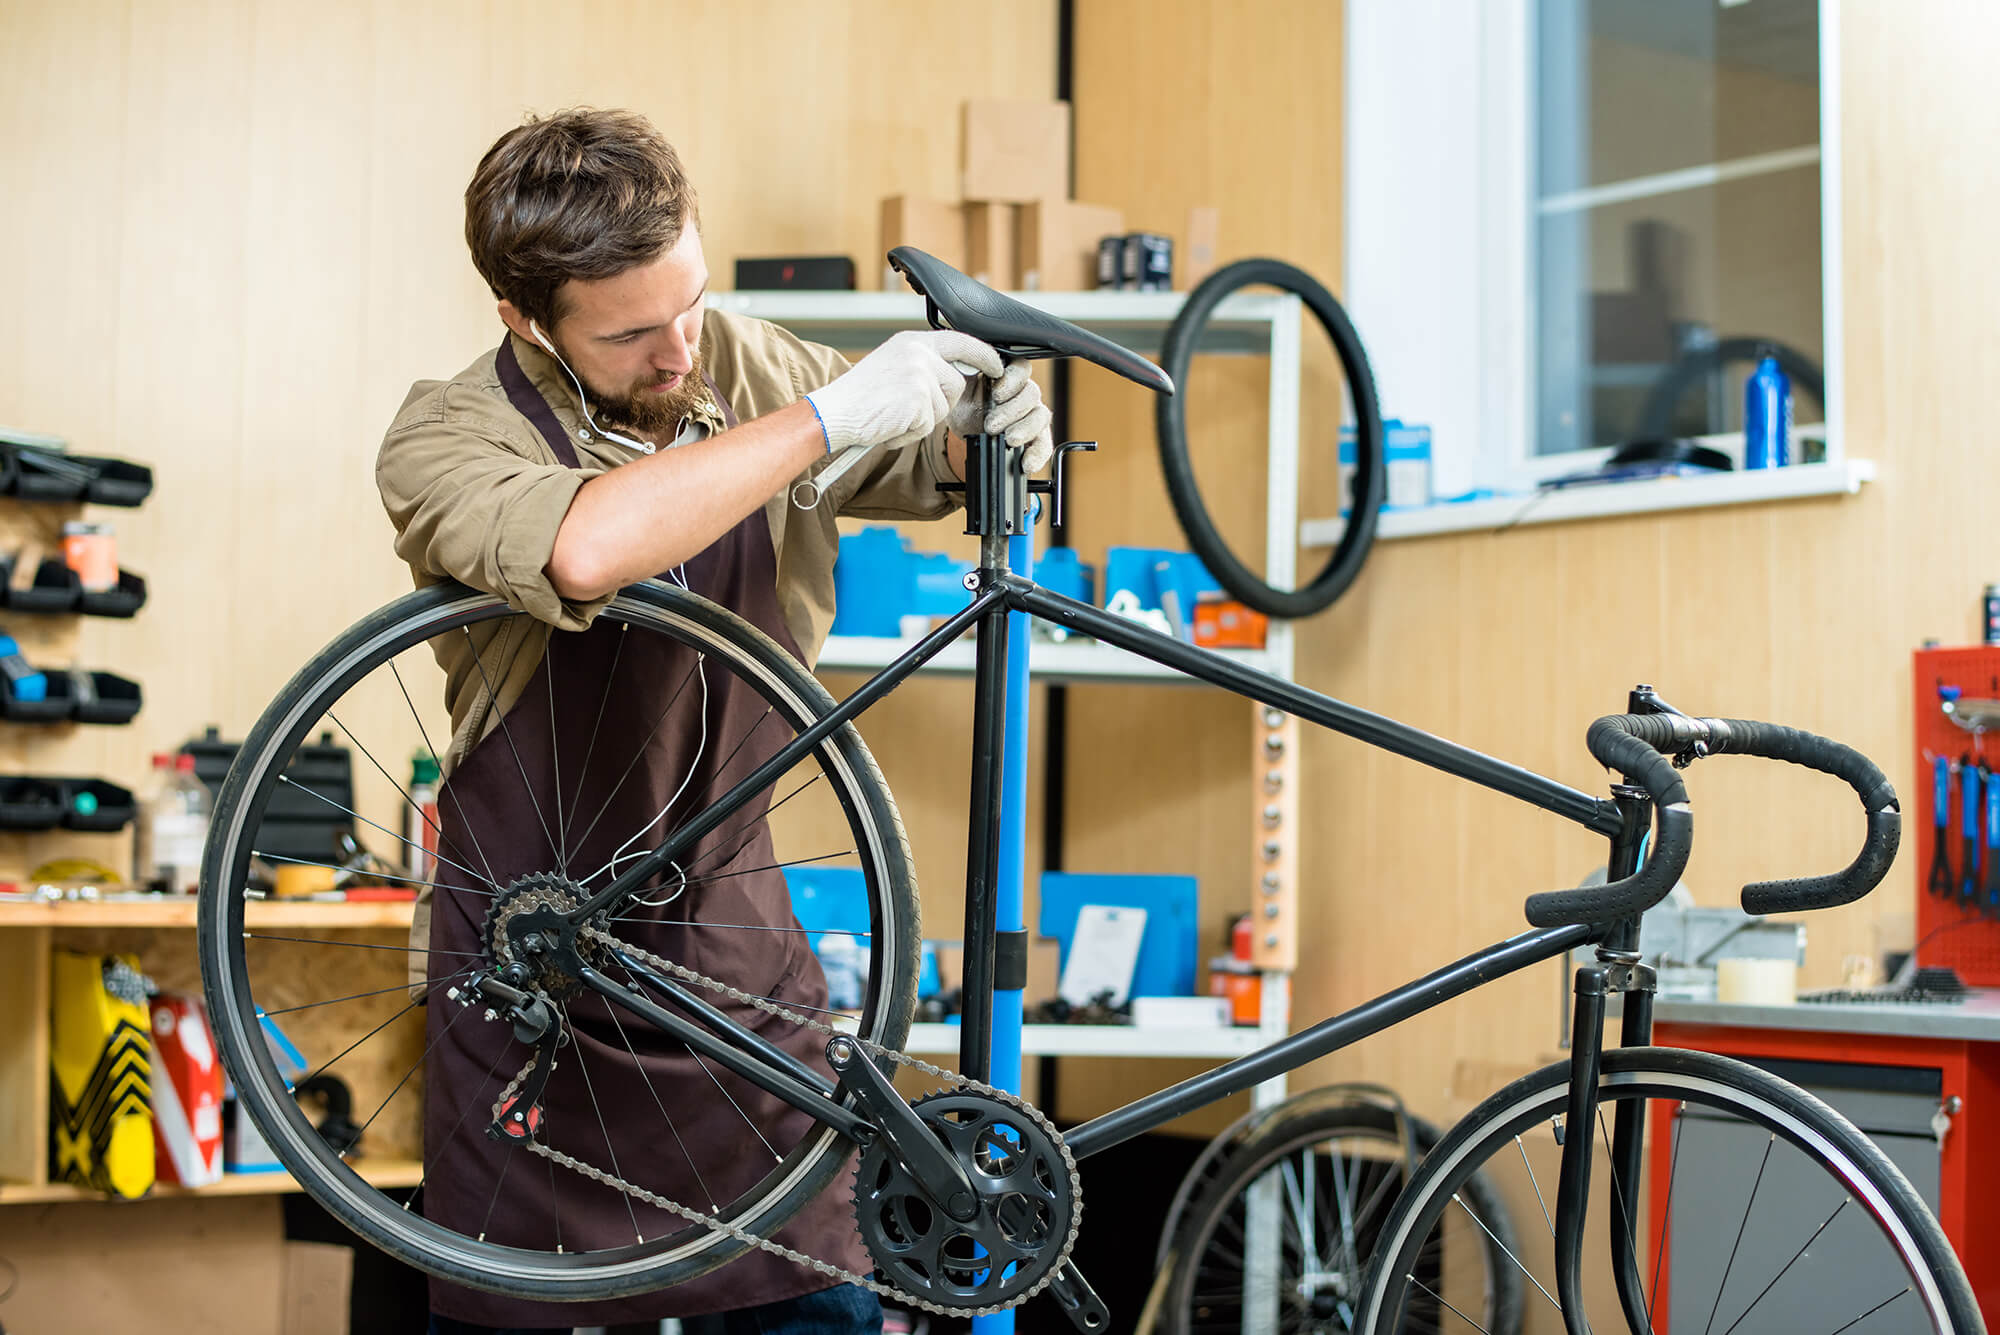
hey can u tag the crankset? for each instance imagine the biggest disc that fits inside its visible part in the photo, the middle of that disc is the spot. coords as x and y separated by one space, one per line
993 1250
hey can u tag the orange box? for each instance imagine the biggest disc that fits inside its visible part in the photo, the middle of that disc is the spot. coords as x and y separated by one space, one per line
1224 623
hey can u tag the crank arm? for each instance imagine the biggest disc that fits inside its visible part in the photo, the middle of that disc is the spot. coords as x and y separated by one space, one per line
922 1153
1079 1302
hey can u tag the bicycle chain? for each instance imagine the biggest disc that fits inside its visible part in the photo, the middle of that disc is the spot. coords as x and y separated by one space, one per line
719 1225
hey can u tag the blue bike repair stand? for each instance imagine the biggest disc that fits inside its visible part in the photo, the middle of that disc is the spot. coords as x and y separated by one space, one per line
1009 897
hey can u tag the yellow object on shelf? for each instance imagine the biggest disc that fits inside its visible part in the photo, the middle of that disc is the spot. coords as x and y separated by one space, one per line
100 1078
296 882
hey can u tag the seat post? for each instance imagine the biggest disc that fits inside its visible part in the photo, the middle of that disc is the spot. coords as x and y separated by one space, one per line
996 493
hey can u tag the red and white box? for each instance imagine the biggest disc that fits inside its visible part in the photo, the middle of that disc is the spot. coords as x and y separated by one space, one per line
187 1093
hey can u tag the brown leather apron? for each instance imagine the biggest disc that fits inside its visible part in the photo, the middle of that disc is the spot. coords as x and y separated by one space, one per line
598 1105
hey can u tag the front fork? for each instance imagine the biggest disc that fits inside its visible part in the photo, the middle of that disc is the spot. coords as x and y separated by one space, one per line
1617 971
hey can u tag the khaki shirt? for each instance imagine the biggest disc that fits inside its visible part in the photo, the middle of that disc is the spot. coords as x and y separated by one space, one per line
477 495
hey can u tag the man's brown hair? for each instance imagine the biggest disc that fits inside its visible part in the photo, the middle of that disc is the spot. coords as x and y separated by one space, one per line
579 194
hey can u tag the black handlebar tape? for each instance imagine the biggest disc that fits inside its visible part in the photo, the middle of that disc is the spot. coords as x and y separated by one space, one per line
1878 799
1624 742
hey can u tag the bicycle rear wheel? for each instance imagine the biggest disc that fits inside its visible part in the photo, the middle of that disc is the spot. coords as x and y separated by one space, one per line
1330 1177
1759 1210
341 995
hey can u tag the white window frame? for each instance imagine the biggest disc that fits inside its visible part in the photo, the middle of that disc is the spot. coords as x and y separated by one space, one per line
1438 210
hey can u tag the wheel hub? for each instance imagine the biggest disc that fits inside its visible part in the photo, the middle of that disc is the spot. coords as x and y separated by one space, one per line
1021 1230
529 941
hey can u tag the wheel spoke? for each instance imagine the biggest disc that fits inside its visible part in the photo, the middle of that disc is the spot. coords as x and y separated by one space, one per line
1667 1215
500 715
445 789
1844 1202
1459 1199
414 1067
583 770
555 751
1618 1200
1448 1307
610 1149
463 1114
361 945
1538 1191
293 783
408 801
639 752
1734 1247
1873 1310
363 1039
356 996
334 866
694 1167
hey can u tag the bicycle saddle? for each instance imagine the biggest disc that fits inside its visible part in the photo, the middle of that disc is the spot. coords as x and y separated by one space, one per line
1017 330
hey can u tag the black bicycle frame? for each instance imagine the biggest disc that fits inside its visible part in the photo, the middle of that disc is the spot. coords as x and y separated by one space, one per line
996 505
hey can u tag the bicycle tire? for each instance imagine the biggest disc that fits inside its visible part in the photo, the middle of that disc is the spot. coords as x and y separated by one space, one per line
810 1167
1714 1084
1370 475
1214 1209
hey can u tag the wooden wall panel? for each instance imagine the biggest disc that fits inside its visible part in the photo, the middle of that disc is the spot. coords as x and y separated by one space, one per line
1180 105
1512 642
235 232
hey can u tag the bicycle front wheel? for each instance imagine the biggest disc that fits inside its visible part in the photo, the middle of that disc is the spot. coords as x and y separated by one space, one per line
564 790
1758 1211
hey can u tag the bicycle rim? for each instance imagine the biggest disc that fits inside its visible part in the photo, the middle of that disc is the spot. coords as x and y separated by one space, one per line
341 995
1776 1214
1326 1182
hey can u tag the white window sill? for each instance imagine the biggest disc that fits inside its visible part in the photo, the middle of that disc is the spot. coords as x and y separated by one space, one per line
1612 498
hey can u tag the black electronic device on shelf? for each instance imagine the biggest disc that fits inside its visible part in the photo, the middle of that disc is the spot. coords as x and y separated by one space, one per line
306 816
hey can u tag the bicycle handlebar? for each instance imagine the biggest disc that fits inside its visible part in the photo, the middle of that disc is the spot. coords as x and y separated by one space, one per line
1619 744
1638 746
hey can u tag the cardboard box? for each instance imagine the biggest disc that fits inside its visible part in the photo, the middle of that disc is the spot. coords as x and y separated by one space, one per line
1058 243
991 251
1015 151
317 1289
931 225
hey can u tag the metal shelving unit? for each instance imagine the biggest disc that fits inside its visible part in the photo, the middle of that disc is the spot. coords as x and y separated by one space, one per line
1242 325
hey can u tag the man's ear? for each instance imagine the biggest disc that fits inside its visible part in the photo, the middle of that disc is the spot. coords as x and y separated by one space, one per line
511 315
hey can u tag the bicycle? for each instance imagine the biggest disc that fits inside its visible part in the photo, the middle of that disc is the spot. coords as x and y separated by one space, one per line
967 1198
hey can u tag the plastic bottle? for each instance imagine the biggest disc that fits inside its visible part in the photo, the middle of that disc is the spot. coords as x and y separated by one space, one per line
420 818
173 829
1767 416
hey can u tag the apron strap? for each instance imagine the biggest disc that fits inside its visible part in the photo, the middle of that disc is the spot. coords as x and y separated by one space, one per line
528 401
728 413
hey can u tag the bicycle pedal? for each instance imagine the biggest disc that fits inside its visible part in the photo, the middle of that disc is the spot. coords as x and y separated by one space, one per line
1079 1302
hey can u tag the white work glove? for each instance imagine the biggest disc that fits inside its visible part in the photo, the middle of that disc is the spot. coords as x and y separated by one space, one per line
1014 410
902 391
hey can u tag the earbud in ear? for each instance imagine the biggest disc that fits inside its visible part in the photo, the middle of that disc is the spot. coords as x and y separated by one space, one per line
540 338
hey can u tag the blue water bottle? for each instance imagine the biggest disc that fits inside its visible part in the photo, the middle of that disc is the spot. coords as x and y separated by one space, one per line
1767 416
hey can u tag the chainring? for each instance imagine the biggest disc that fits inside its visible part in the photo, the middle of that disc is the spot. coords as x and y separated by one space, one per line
1029 1206
535 893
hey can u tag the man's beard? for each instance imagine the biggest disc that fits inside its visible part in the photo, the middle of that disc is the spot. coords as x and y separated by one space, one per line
652 412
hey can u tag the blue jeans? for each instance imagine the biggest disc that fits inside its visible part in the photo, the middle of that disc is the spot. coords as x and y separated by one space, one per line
841 1310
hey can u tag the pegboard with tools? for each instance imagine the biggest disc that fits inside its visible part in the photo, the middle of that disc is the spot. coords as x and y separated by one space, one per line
1954 813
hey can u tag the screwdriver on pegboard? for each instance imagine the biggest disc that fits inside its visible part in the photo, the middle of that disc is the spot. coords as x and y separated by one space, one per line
1969 794
1940 874
1989 900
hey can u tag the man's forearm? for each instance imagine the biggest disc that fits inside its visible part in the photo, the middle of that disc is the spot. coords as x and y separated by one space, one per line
649 515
